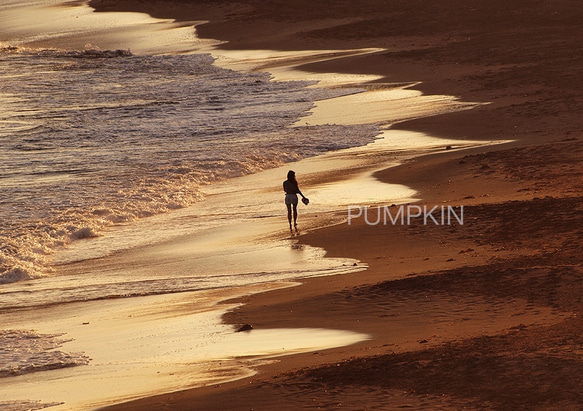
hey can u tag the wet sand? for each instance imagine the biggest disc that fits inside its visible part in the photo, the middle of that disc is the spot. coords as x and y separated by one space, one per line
484 315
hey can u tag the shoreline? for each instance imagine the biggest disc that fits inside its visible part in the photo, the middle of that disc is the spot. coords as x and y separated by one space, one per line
510 187
93 268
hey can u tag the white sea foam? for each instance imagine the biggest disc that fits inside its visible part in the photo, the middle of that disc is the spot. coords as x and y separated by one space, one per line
96 138
18 272
25 351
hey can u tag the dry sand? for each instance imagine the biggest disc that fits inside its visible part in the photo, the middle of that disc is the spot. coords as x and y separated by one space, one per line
485 315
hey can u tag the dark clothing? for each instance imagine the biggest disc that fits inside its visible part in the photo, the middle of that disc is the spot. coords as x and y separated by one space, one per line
291 187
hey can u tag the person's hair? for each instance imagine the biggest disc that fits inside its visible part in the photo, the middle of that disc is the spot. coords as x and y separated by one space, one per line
291 176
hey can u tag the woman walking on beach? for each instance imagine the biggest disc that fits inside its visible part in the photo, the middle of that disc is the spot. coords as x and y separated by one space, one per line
290 186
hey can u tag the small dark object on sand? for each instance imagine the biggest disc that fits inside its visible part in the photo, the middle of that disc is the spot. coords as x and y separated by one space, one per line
246 327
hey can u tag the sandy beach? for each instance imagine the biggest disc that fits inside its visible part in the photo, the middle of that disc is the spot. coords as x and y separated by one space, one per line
484 315
480 315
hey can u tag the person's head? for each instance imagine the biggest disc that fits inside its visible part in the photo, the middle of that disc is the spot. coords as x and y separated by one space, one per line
291 175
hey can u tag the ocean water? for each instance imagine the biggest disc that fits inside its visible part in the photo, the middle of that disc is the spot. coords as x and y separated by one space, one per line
92 138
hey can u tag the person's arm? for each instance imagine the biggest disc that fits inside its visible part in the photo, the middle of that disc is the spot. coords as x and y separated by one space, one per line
299 192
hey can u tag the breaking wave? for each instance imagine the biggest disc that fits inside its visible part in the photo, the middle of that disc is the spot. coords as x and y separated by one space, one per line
25 351
96 138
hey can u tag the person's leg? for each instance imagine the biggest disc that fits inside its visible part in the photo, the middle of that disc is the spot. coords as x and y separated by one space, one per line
289 215
295 215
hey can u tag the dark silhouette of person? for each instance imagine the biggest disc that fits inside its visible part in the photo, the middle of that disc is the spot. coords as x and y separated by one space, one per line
291 188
